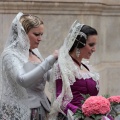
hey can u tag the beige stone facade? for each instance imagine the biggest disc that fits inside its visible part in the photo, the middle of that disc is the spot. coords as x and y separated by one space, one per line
58 15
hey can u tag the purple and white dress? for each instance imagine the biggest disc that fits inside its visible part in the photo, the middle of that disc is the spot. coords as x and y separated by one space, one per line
87 83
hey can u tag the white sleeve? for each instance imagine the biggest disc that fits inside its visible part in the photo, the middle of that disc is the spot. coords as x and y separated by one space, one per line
26 79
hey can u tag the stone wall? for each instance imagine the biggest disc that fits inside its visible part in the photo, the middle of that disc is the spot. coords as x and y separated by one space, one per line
58 15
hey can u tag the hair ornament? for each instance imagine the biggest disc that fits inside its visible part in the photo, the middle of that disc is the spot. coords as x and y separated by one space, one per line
82 34
80 42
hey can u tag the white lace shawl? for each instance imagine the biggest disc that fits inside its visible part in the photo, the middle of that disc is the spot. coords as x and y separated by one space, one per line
66 69
15 54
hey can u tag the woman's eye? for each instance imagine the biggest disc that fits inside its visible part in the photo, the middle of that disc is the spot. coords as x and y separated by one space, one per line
38 34
91 44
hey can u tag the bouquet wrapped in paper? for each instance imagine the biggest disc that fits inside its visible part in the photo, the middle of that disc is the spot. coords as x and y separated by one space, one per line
115 107
94 108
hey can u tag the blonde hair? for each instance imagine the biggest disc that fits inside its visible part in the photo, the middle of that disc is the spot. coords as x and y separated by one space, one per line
30 21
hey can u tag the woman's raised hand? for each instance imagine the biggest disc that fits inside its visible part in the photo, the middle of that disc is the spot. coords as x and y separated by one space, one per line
55 53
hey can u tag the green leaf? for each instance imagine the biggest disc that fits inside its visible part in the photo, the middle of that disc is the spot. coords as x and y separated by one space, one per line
106 95
78 114
85 96
93 116
98 117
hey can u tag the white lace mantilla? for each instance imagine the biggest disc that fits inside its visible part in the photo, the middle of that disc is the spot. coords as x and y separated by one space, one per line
15 54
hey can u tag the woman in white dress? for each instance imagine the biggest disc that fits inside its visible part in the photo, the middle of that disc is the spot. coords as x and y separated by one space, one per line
23 72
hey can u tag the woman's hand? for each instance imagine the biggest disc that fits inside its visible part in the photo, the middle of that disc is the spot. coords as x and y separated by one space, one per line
55 54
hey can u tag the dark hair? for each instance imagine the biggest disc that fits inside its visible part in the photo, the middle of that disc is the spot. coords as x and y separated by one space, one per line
80 41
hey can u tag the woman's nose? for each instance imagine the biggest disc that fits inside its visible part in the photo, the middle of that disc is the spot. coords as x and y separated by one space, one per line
39 38
94 49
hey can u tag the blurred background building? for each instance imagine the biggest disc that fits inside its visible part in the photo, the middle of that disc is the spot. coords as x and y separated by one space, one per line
58 15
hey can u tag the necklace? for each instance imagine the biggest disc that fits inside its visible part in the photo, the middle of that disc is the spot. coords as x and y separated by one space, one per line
77 62
33 53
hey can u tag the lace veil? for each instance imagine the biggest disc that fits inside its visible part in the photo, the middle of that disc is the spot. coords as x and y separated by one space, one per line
68 71
13 57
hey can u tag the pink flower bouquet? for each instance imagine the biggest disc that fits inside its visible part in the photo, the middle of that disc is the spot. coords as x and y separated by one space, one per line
95 107
115 106
114 99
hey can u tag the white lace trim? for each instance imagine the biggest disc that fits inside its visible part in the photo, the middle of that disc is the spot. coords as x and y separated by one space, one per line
79 75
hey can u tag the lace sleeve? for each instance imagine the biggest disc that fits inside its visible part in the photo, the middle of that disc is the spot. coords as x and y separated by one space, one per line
10 61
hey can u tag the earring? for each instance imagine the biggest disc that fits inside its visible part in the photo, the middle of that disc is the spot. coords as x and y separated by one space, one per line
77 52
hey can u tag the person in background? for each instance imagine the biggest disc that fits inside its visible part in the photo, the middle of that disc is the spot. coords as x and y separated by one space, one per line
24 72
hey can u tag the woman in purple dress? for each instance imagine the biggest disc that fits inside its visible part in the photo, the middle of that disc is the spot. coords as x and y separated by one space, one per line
71 76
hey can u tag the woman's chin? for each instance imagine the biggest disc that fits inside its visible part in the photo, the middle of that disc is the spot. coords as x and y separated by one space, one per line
34 47
87 57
